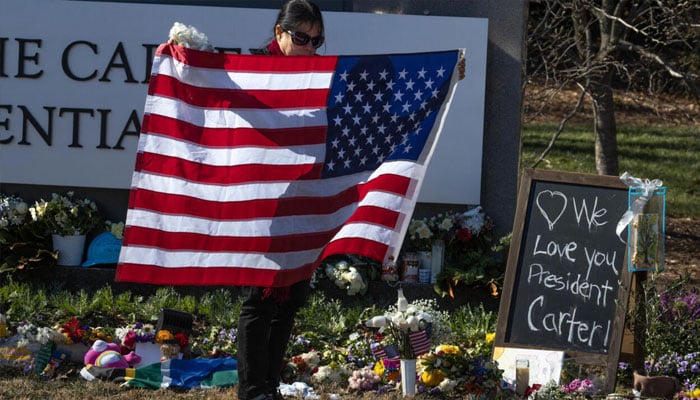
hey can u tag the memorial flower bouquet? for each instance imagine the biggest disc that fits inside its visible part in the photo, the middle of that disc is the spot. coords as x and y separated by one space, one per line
23 242
350 272
462 232
471 256
448 369
29 333
405 325
66 215
13 212
135 333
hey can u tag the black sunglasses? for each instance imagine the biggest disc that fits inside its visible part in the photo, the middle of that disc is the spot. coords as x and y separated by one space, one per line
302 39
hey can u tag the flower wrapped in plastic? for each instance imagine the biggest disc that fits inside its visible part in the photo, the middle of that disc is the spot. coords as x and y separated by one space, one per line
363 379
13 212
301 367
346 276
448 369
136 333
29 333
189 36
73 332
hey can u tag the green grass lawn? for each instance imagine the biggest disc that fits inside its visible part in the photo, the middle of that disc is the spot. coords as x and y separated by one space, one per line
669 153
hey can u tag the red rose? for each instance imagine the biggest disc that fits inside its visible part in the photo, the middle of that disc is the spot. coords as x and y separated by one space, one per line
464 235
129 340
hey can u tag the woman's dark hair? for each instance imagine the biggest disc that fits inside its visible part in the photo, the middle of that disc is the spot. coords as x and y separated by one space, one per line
297 12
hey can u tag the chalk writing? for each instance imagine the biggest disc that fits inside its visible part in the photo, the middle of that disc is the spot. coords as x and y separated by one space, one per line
568 270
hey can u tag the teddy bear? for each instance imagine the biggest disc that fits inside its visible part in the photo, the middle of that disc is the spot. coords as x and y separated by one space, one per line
656 386
108 355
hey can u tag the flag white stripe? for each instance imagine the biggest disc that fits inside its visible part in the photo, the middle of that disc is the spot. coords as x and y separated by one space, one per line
236 118
290 155
220 79
279 226
173 259
265 190
176 259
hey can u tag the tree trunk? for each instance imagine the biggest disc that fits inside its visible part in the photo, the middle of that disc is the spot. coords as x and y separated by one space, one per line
605 129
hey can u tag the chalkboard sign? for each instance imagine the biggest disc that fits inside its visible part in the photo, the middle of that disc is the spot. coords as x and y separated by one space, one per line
566 285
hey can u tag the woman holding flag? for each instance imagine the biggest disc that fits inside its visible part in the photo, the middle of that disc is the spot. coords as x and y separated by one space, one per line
267 313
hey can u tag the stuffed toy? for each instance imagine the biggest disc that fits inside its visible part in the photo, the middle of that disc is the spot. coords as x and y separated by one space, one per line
108 355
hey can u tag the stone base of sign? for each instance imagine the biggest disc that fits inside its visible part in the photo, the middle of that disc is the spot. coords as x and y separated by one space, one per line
381 293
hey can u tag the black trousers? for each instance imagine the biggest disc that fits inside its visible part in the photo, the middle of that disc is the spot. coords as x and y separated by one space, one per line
264 329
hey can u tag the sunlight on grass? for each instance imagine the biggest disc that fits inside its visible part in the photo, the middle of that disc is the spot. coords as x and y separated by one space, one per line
671 154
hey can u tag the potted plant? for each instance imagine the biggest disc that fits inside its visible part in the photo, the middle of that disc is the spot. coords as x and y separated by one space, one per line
68 219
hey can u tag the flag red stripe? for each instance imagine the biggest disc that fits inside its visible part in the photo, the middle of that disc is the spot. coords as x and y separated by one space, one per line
174 204
214 276
217 98
231 137
187 241
362 246
250 63
420 343
225 175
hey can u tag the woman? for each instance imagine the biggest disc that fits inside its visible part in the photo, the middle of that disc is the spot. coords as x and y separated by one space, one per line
267 314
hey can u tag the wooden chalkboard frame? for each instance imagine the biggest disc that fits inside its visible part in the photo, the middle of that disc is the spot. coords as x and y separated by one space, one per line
529 177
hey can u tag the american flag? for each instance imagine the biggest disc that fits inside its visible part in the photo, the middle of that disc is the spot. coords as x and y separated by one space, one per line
252 169
420 342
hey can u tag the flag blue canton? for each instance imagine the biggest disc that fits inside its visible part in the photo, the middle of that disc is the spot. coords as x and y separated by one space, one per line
383 108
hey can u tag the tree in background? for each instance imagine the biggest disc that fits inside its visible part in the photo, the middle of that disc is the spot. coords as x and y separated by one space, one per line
607 48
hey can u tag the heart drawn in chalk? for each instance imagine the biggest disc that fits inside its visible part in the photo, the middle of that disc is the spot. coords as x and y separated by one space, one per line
551 203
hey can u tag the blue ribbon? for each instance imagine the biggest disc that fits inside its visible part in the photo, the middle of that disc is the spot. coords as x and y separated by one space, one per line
648 188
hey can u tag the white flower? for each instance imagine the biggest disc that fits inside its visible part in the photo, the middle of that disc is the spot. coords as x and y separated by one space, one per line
413 323
346 277
473 219
189 36
115 228
447 385
376 322
446 224
13 211
424 232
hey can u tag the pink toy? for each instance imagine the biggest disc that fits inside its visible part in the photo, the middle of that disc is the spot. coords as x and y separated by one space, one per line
108 355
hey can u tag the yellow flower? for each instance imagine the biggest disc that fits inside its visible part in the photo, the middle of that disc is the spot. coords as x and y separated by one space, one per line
448 349
379 368
696 393
490 337
432 378
164 335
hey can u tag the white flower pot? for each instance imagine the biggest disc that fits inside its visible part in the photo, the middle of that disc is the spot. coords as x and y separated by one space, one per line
408 376
70 249
437 259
